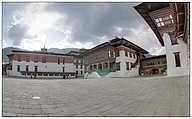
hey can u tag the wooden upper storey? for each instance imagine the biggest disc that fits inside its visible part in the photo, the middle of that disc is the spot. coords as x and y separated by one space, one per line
115 43
165 17
154 61
101 55
108 51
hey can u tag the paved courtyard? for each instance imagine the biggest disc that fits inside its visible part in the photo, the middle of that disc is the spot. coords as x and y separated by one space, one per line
146 96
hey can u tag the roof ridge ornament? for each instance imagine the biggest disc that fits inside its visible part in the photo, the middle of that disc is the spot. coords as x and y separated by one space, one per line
116 38
44 49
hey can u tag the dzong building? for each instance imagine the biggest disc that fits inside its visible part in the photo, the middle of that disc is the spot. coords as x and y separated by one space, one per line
38 64
116 58
170 23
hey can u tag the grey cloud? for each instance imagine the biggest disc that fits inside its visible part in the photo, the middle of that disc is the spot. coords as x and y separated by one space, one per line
145 39
18 32
93 20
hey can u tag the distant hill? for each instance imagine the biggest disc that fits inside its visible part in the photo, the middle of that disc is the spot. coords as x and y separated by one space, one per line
148 55
8 50
65 50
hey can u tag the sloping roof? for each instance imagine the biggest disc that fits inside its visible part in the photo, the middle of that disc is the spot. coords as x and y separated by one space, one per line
117 42
40 52
123 41
181 16
154 57
73 53
77 53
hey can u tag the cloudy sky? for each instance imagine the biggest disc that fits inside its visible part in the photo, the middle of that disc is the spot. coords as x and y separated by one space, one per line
74 25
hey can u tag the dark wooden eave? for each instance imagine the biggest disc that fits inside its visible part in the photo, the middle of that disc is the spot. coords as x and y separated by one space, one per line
117 42
145 8
187 23
180 12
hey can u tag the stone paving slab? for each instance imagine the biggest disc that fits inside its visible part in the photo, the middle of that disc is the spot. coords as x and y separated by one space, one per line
138 96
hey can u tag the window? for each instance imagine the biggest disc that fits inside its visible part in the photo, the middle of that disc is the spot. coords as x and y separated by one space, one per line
9 67
177 59
95 66
81 72
58 60
35 58
50 74
174 41
134 56
19 58
76 66
39 74
91 67
63 61
76 72
27 68
27 58
36 68
130 55
63 69
164 20
81 66
18 68
118 66
126 54
43 59
106 66
131 65
100 66
127 65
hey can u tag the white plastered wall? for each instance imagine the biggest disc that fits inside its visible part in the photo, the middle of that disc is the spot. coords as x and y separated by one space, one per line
42 67
123 71
181 47
79 69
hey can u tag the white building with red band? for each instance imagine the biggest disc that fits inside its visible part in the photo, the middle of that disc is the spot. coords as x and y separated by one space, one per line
39 64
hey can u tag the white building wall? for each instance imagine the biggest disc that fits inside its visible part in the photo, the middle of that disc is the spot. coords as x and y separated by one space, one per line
123 71
79 69
42 67
181 47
